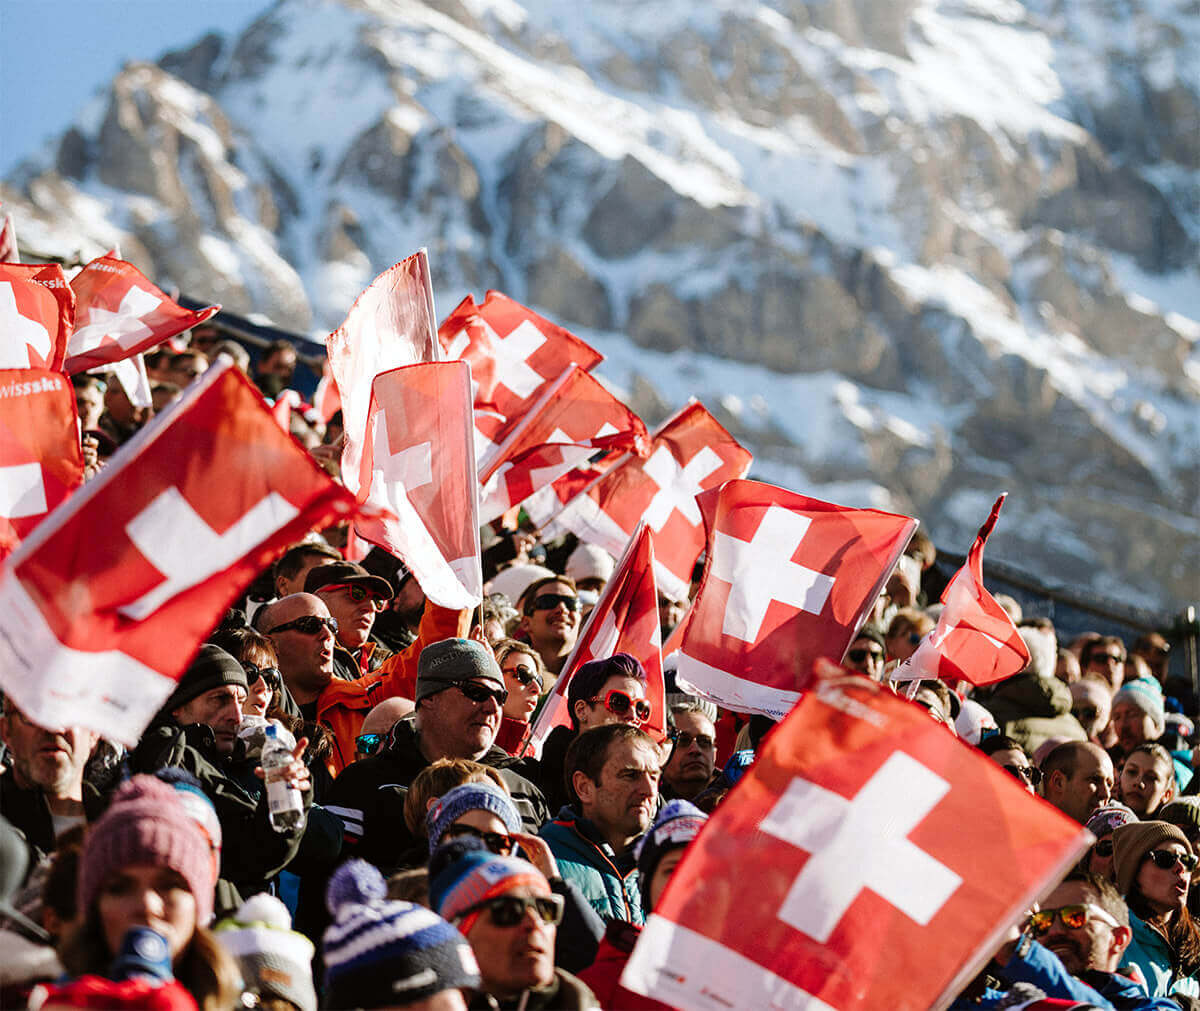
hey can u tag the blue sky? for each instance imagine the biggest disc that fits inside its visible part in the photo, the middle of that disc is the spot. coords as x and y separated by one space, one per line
56 53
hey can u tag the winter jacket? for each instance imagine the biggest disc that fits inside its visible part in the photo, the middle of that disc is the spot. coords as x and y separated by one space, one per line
604 975
581 931
28 812
608 882
369 796
549 775
1151 953
566 993
1032 709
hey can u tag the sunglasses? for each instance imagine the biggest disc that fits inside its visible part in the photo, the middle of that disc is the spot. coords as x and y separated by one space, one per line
310 624
270 675
477 692
500 843
524 675
1167 859
1108 657
367 744
509 910
1104 848
685 740
1071 917
863 655
1030 774
620 703
358 593
549 601
1085 715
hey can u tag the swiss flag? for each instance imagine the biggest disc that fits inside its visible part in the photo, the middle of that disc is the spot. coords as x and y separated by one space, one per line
974 640
573 419
787 579
104 604
867 860
37 308
689 454
392 323
8 242
118 313
543 507
41 462
513 352
624 620
419 467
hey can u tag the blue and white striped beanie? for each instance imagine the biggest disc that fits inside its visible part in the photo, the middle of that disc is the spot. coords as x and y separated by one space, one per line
387 954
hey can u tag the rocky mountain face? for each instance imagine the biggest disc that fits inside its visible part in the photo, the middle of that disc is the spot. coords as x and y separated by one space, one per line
913 252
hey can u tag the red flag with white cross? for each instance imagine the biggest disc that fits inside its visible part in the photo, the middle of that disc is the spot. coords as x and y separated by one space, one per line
392 323
573 419
41 462
787 579
624 620
118 313
103 606
868 859
974 640
689 454
513 352
418 471
37 308
9 253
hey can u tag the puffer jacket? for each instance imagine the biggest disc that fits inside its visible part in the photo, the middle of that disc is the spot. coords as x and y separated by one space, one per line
608 882
1151 953
1032 709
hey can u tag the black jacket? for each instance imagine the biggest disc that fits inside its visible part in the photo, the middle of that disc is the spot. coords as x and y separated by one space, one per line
28 812
369 797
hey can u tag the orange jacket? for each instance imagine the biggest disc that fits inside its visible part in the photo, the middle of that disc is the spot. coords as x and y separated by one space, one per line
343 705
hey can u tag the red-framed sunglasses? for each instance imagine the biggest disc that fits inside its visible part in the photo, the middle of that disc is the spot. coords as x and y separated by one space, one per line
621 703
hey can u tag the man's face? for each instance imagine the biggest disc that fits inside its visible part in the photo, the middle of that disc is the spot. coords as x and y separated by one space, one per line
305 657
355 618
867 656
553 624
285 585
622 803
1016 764
1095 946
691 765
463 727
89 402
219 709
670 614
1146 783
1090 786
41 758
1108 661
597 714
1132 724
516 958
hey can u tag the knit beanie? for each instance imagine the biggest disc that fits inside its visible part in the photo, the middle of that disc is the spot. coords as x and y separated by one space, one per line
211 668
146 823
451 661
588 561
1146 694
1131 843
475 877
275 961
1184 812
1109 817
383 954
677 824
469 797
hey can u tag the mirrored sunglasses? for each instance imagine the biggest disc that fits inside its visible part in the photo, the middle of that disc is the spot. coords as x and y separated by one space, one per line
620 703
500 843
509 910
368 744
1072 917
309 624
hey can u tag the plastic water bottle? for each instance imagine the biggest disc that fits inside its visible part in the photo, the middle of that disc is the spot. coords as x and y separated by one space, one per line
284 802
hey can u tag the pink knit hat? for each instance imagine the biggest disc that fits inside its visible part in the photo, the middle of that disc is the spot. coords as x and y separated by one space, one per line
146 823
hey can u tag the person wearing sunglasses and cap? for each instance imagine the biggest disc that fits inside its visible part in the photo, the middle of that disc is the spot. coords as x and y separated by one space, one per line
460 695
505 908
1153 865
353 597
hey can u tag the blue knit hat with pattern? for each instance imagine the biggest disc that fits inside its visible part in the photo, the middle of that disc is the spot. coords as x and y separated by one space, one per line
677 824
474 875
453 804
386 954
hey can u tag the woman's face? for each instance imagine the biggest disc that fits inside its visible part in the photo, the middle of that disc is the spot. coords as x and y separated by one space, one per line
522 699
147 896
258 697
1164 889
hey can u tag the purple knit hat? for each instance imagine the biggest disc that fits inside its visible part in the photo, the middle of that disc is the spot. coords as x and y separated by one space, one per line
146 823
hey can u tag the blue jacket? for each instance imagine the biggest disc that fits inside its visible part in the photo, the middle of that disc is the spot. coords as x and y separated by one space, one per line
1150 952
608 882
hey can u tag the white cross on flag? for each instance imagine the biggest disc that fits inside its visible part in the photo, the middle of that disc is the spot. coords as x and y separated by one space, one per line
787 579
572 420
41 462
104 604
513 352
624 620
690 453
392 323
37 307
867 860
419 468
118 313
974 640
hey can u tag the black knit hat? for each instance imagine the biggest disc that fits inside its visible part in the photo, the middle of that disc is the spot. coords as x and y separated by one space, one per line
211 668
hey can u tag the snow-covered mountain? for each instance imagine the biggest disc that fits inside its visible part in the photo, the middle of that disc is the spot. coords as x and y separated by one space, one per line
913 252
